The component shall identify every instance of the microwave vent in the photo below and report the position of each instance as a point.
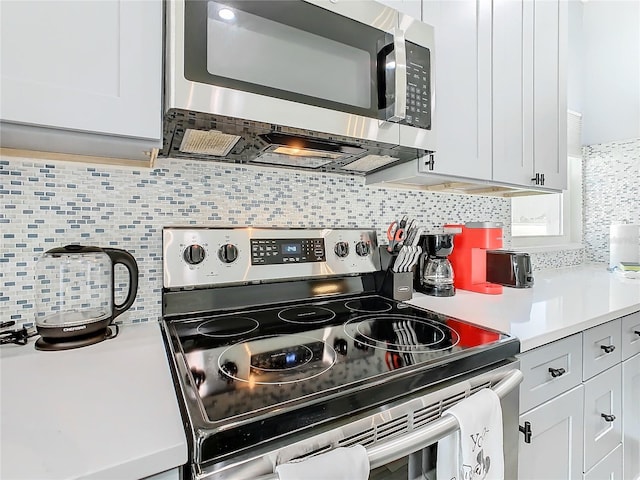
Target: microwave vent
(208, 142)
(369, 163)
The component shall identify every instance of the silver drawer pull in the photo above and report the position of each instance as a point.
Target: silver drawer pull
(608, 348)
(607, 417)
(557, 372)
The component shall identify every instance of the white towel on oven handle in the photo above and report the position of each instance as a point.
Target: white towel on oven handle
(342, 463)
(475, 451)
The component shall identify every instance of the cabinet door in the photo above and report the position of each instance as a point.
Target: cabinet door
(549, 92)
(602, 415)
(610, 467)
(462, 86)
(83, 66)
(631, 419)
(512, 77)
(529, 92)
(556, 448)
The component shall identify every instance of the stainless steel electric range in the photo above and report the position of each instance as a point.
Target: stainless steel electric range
(283, 349)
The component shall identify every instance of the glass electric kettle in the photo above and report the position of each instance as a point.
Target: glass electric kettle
(75, 302)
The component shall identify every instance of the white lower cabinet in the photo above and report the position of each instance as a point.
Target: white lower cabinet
(602, 415)
(610, 467)
(631, 419)
(555, 451)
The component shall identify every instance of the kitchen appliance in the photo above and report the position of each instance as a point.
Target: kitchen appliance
(435, 275)
(282, 349)
(317, 84)
(75, 295)
(469, 258)
(511, 269)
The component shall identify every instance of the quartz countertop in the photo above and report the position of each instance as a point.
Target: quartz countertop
(105, 411)
(561, 302)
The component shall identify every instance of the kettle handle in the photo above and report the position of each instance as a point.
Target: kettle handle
(125, 258)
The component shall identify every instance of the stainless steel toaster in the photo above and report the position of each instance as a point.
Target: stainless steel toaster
(509, 268)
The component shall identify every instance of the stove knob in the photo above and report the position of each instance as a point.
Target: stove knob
(340, 346)
(194, 254)
(228, 253)
(363, 249)
(341, 249)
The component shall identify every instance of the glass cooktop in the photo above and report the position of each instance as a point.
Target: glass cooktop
(253, 361)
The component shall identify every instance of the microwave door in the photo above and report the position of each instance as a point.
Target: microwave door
(303, 64)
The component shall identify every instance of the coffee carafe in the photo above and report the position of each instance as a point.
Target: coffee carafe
(435, 271)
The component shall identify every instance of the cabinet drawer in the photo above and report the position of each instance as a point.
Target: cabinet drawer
(601, 348)
(631, 420)
(562, 359)
(610, 467)
(630, 335)
(602, 415)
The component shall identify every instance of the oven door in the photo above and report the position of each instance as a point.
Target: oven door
(354, 68)
(400, 437)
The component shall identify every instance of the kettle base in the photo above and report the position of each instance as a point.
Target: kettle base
(48, 345)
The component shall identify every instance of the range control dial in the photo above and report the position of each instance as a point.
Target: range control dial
(194, 254)
(228, 253)
(363, 249)
(341, 249)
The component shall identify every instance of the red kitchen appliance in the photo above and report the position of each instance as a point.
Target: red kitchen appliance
(469, 257)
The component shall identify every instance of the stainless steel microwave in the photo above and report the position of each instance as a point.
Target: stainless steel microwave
(355, 72)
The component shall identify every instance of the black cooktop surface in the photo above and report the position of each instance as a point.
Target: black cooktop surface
(253, 361)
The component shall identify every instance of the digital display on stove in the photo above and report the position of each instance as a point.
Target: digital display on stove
(277, 251)
(291, 249)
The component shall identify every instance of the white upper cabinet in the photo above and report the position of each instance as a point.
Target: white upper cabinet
(462, 88)
(82, 67)
(500, 95)
(529, 93)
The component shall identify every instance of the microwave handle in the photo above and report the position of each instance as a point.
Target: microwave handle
(400, 77)
(399, 88)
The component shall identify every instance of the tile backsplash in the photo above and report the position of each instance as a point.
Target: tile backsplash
(49, 204)
(611, 193)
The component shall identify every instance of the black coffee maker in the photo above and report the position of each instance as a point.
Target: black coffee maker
(435, 273)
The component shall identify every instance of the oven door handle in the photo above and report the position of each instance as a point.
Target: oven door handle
(397, 448)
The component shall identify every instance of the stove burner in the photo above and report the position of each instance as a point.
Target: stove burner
(307, 314)
(368, 305)
(401, 333)
(225, 327)
(259, 362)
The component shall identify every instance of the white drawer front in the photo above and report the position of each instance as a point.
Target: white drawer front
(602, 415)
(601, 348)
(631, 420)
(550, 370)
(630, 335)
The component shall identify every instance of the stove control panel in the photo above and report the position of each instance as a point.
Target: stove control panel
(201, 256)
(275, 251)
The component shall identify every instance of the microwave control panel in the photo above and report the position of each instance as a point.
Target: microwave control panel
(418, 113)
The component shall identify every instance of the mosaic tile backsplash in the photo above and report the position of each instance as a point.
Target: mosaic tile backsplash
(49, 204)
(611, 193)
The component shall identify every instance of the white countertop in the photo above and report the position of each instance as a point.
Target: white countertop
(105, 411)
(562, 302)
